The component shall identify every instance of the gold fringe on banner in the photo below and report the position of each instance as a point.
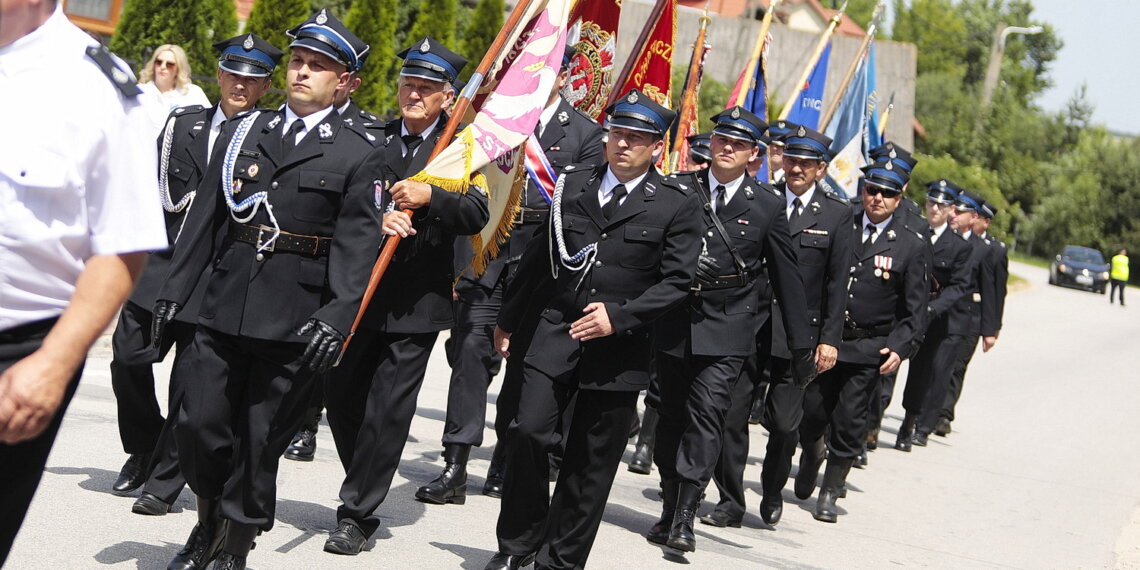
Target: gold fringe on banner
(483, 256)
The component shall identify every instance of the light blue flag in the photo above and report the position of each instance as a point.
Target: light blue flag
(810, 101)
(848, 131)
(873, 103)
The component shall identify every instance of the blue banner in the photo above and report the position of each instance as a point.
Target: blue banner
(809, 105)
(873, 103)
(756, 101)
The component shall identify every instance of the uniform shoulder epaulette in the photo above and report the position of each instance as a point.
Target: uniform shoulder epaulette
(584, 115)
(680, 181)
(188, 111)
(1002, 244)
(120, 78)
(363, 131)
(837, 198)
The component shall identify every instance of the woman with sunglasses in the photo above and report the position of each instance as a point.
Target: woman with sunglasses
(166, 86)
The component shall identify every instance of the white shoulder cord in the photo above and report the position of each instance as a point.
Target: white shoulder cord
(229, 184)
(164, 182)
(581, 261)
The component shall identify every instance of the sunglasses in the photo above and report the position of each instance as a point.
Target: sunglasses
(886, 192)
(166, 64)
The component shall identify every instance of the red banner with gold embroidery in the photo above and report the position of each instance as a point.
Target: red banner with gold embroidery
(592, 71)
(653, 66)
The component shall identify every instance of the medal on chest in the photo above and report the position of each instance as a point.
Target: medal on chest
(883, 264)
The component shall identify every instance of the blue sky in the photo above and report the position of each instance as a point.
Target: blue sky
(1101, 50)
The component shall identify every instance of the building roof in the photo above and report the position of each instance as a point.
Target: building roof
(746, 8)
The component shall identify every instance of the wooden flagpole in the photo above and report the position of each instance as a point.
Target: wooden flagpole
(825, 37)
(886, 115)
(833, 106)
(757, 52)
(461, 106)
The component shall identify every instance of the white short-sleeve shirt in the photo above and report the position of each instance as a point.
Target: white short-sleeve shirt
(78, 174)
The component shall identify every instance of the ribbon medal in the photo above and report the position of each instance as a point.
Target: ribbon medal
(883, 264)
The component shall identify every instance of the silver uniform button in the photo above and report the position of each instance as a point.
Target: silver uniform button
(260, 257)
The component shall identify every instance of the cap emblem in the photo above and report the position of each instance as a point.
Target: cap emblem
(735, 113)
(248, 43)
(425, 47)
(802, 132)
(890, 166)
(942, 183)
(322, 17)
(632, 98)
(892, 154)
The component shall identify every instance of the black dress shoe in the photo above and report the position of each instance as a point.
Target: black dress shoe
(943, 428)
(502, 561)
(861, 461)
(720, 519)
(227, 561)
(642, 460)
(493, 487)
(921, 438)
(451, 485)
(304, 446)
(133, 474)
(771, 507)
(148, 504)
(347, 539)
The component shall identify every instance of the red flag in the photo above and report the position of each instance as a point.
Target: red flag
(653, 66)
(591, 73)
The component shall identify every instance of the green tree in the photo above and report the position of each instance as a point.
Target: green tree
(480, 32)
(437, 18)
(935, 27)
(375, 22)
(270, 20)
(192, 24)
(858, 10)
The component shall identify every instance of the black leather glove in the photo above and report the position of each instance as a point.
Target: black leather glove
(162, 314)
(707, 269)
(803, 366)
(324, 348)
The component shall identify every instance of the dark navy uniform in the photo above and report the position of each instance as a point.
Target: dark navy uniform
(886, 308)
(140, 419)
(570, 137)
(646, 251)
(371, 396)
(950, 276)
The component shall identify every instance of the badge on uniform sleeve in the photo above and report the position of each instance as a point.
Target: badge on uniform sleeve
(325, 130)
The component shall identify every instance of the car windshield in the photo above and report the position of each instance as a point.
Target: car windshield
(1083, 255)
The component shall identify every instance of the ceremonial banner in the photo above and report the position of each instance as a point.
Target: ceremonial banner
(486, 154)
(653, 65)
(809, 104)
(755, 97)
(688, 118)
(849, 132)
(874, 133)
(591, 72)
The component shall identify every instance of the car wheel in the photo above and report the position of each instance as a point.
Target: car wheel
(1052, 279)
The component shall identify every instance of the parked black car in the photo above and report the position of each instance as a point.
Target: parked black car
(1080, 267)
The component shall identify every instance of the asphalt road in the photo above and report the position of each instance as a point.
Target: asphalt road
(1039, 472)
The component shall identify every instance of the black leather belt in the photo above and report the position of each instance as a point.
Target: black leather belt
(315, 246)
(529, 216)
(853, 332)
(27, 331)
(727, 282)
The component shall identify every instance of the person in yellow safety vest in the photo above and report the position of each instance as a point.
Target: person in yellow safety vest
(1119, 275)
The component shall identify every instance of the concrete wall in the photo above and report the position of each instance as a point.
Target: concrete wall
(732, 39)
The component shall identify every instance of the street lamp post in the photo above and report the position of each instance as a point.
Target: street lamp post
(997, 50)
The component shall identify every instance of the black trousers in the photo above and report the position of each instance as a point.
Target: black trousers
(881, 397)
(165, 480)
(371, 399)
(695, 396)
(783, 414)
(474, 362)
(563, 530)
(507, 403)
(929, 378)
(22, 465)
(958, 377)
(728, 475)
(238, 416)
(839, 398)
(1117, 285)
(132, 379)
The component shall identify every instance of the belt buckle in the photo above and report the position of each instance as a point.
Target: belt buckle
(260, 245)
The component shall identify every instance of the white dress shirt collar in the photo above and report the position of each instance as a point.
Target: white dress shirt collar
(609, 181)
(310, 121)
(879, 227)
(804, 200)
(730, 188)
